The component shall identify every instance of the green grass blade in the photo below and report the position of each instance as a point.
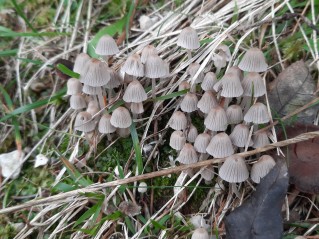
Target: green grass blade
(137, 148)
(11, 52)
(67, 71)
(172, 95)
(32, 34)
(95, 210)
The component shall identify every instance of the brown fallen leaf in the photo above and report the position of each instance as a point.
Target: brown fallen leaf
(293, 88)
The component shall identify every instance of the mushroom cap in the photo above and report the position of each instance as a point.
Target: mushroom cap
(209, 81)
(253, 84)
(133, 66)
(146, 52)
(188, 39)
(239, 135)
(207, 102)
(155, 67)
(226, 50)
(192, 70)
(216, 120)
(234, 170)
(200, 233)
(220, 146)
(208, 173)
(77, 102)
(184, 86)
(121, 118)
(145, 22)
(234, 114)
(192, 133)
(90, 90)
(81, 63)
(137, 108)
(97, 74)
(83, 122)
(189, 103)
(106, 46)
(74, 86)
(178, 121)
(230, 85)
(257, 114)
(261, 168)
(237, 71)
(142, 187)
(134, 92)
(201, 142)
(260, 139)
(177, 140)
(220, 59)
(253, 61)
(187, 155)
(123, 132)
(105, 126)
(93, 108)
(115, 80)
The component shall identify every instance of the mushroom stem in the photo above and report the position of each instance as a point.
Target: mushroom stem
(153, 88)
(106, 59)
(101, 100)
(189, 54)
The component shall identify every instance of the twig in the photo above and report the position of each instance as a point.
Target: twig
(97, 187)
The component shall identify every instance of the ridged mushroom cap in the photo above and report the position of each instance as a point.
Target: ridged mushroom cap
(146, 52)
(189, 103)
(257, 114)
(142, 187)
(105, 126)
(81, 63)
(115, 80)
(90, 90)
(234, 170)
(216, 120)
(237, 71)
(106, 46)
(187, 155)
(178, 121)
(234, 114)
(220, 59)
(77, 102)
(93, 108)
(177, 140)
(137, 108)
(97, 74)
(220, 146)
(188, 39)
(239, 135)
(253, 61)
(121, 118)
(184, 86)
(209, 81)
(230, 85)
(207, 102)
(134, 92)
(83, 122)
(201, 142)
(133, 66)
(192, 133)
(200, 233)
(226, 50)
(208, 173)
(260, 139)
(74, 86)
(123, 132)
(192, 70)
(155, 67)
(261, 168)
(253, 84)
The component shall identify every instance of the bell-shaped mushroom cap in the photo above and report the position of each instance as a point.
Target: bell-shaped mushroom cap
(260, 139)
(142, 187)
(209, 81)
(123, 132)
(208, 173)
(220, 146)
(77, 102)
(201, 142)
(239, 136)
(192, 70)
(93, 108)
(234, 114)
(207, 102)
(134, 92)
(178, 121)
(192, 133)
(187, 155)
(105, 126)
(261, 168)
(177, 140)
(90, 90)
(133, 66)
(137, 108)
(253, 61)
(155, 67)
(115, 80)
(121, 118)
(145, 22)
(189, 102)
(231, 85)
(74, 86)
(235, 70)
(257, 114)
(188, 39)
(220, 59)
(83, 122)
(225, 49)
(81, 63)
(147, 51)
(198, 221)
(97, 74)
(253, 84)
(106, 46)
(184, 86)
(234, 170)
(200, 233)
(216, 120)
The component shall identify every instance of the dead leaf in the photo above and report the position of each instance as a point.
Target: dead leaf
(260, 216)
(293, 88)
